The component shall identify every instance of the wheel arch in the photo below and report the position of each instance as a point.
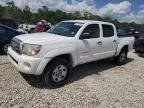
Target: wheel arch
(120, 48)
(67, 57)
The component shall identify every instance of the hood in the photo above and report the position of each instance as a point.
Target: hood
(41, 38)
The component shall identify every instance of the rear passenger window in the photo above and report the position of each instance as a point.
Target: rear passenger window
(93, 29)
(108, 30)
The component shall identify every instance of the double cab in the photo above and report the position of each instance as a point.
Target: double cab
(67, 44)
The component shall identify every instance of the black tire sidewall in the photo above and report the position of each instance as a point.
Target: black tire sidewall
(47, 76)
(119, 62)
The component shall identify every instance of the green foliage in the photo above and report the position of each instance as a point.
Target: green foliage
(26, 16)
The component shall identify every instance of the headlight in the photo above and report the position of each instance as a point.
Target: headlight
(30, 49)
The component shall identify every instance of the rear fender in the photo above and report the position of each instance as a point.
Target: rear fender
(121, 45)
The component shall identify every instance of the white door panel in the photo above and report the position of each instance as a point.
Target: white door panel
(109, 46)
(90, 47)
(109, 41)
(90, 50)
(84, 51)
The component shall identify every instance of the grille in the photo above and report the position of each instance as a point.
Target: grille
(16, 45)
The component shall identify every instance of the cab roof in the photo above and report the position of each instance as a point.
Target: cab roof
(87, 21)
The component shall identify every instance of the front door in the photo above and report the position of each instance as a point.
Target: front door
(90, 44)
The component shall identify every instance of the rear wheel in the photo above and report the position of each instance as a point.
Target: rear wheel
(121, 58)
(57, 72)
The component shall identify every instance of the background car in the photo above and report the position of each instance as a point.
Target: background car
(42, 26)
(139, 45)
(9, 22)
(27, 28)
(129, 32)
(6, 34)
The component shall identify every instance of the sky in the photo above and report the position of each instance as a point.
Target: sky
(123, 10)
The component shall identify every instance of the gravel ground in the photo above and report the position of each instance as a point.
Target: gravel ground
(99, 84)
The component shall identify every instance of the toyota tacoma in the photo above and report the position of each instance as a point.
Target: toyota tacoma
(69, 43)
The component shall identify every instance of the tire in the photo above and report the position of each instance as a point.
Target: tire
(121, 59)
(56, 73)
(5, 48)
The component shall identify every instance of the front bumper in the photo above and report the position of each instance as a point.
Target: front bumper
(26, 64)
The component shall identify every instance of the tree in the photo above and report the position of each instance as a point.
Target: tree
(1, 11)
(26, 16)
(12, 7)
(77, 15)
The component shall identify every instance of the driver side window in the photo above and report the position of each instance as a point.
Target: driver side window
(93, 30)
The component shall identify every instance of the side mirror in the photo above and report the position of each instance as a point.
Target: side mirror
(85, 36)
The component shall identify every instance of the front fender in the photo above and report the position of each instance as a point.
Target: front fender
(62, 51)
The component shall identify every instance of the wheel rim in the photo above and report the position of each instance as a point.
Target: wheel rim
(122, 57)
(5, 48)
(59, 73)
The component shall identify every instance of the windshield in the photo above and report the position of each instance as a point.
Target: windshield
(68, 29)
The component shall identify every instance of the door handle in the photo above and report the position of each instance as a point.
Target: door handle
(99, 42)
(114, 41)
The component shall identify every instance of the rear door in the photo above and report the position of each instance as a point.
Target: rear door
(109, 41)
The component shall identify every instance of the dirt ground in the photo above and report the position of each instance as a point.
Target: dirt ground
(94, 85)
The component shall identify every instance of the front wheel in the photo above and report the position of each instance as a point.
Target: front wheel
(57, 72)
(121, 58)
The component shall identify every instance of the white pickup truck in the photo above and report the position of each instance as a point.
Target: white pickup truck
(66, 45)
